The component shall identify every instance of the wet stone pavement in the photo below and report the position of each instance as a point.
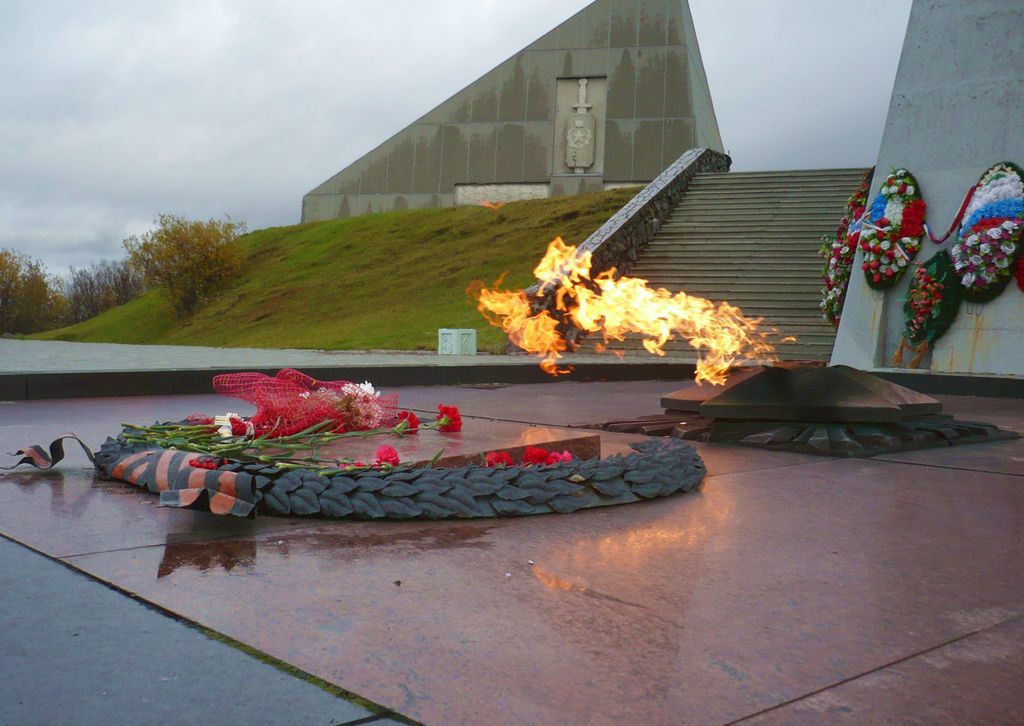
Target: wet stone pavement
(788, 589)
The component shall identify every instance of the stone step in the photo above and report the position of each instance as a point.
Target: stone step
(753, 239)
(734, 264)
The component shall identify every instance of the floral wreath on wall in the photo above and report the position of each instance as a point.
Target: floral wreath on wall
(988, 241)
(892, 232)
(838, 251)
(932, 304)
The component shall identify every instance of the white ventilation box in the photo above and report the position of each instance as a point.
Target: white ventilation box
(456, 341)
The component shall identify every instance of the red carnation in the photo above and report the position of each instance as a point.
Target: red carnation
(238, 427)
(449, 419)
(888, 273)
(535, 455)
(412, 419)
(387, 455)
(874, 264)
(557, 458)
(498, 458)
(876, 278)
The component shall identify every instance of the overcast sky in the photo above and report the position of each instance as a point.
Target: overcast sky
(114, 112)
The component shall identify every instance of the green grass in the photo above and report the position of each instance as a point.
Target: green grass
(385, 281)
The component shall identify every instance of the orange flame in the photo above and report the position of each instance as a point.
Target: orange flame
(719, 332)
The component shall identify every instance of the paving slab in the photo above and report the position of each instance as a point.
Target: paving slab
(971, 680)
(782, 577)
(110, 659)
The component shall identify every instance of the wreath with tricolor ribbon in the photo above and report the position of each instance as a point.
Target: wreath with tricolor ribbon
(987, 244)
(891, 234)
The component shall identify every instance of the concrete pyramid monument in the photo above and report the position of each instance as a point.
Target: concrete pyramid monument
(611, 96)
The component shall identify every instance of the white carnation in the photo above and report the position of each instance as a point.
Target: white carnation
(367, 388)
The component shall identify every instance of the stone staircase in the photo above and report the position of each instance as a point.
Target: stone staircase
(752, 238)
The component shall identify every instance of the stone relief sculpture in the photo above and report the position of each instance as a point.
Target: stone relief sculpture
(580, 135)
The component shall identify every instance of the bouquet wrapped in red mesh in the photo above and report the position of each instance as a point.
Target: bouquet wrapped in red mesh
(291, 402)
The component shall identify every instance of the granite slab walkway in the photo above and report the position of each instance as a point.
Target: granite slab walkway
(789, 589)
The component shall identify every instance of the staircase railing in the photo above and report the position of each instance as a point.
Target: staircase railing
(618, 242)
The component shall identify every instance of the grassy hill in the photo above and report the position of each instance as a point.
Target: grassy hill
(385, 281)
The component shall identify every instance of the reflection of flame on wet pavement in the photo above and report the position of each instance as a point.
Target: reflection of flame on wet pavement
(689, 529)
(616, 307)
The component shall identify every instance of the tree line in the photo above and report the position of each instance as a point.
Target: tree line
(190, 261)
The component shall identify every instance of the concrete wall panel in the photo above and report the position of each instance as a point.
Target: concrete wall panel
(400, 166)
(485, 102)
(678, 137)
(508, 161)
(572, 32)
(575, 184)
(677, 85)
(375, 172)
(512, 102)
(652, 21)
(675, 33)
(598, 23)
(537, 141)
(426, 173)
(580, 63)
(540, 99)
(623, 23)
(548, 41)
(647, 149)
(622, 83)
(650, 83)
(483, 140)
(618, 150)
(454, 157)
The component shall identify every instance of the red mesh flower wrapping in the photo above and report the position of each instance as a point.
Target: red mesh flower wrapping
(292, 402)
